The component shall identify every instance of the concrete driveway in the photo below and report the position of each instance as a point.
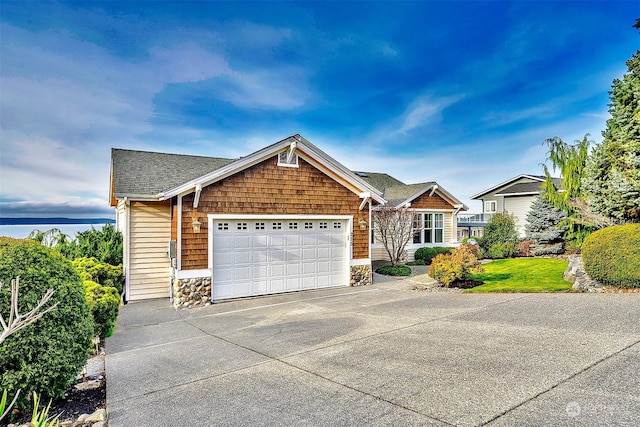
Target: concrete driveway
(379, 355)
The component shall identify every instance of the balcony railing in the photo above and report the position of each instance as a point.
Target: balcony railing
(474, 218)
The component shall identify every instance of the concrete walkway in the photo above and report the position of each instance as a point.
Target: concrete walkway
(378, 355)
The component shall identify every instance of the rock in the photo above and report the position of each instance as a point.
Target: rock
(89, 385)
(99, 415)
(82, 418)
(575, 273)
(99, 424)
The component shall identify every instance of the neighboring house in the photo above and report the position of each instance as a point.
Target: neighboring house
(435, 219)
(285, 218)
(513, 196)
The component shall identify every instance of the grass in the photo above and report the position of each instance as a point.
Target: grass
(523, 275)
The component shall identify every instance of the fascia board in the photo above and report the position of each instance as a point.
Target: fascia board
(528, 193)
(439, 190)
(509, 181)
(138, 197)
(228, 170)
(304, 146)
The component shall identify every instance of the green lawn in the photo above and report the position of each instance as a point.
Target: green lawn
(523, 275)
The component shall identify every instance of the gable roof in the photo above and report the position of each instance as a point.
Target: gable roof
(160, 176)
(379, 180)
(519, 188)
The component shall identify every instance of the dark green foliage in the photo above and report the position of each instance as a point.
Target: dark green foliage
(428, 253)
(394, 270)
(612, 175)
(104, 302)
(44, 357)
(502, 250)
(100, 272)
(456, 266)
(546, 227)
(105, 245)
(415, 262)
(612, 256)
(501, 229)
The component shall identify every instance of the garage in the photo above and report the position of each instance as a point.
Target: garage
(270, 255)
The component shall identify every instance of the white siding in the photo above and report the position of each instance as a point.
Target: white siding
(150, 232)
(519, 207)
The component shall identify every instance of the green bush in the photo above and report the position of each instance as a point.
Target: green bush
(428, 253)
(44, 357)
(394, 270)
(104, 302)
(612, 255)
(502, 250)
(105, 245)
(100, 272)
(458, 265)
(501, 229)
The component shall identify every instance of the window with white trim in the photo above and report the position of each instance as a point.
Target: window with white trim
(490, 206)
(242, 226)
(308, 226)
(293, 226)
(285, 160)
(259, 225)
(322, 225)
(276, 226)
(428, 228)
(223, 226)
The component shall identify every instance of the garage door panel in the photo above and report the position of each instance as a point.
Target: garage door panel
(271, 256)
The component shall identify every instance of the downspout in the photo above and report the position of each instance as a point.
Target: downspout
(127, 244)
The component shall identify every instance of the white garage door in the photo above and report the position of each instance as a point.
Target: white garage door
(268, 256)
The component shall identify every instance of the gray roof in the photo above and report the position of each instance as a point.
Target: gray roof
(379, 181)
(400, 193)
(146, 173)
(527, 187)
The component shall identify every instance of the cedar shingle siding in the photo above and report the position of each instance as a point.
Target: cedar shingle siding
(269, 189)
(433, 202)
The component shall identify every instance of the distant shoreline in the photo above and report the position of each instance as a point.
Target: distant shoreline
(55, 221)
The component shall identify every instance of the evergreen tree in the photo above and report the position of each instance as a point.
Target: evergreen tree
(546, 226)
(612, 175)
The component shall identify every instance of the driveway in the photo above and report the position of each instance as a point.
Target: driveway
(378, 355)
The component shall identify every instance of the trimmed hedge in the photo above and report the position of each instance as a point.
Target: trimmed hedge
(612, 256)
(426, 254)
(46, 356)
(104, 302)
(394, 270)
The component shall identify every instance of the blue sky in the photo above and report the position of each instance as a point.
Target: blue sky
(462, 93)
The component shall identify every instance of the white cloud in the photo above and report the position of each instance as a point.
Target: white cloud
(425, 110)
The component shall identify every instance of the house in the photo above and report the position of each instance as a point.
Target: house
(285, 218)
(435, 212)
(513, 196)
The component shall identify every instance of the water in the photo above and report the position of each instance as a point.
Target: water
(21, 231)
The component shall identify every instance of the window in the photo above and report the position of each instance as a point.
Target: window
(428, 228)
(490, 206)
(242, 226)
(285, 160)
(259, 225)
(223, 226)
(322, 225)
(293, 226)
(276, 226)
(337, 226)
(308, 226)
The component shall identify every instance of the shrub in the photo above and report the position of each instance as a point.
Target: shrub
(502, 250)
(415, 262)
(105, 245)
(458, 265)
(394, 270)
(501, 229)
(428, 253)
(44, 357)
(100, 272)
(104, 302)
(612, 255)
(524, 248)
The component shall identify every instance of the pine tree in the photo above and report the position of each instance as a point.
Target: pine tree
(545, 226)
(612, 174)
